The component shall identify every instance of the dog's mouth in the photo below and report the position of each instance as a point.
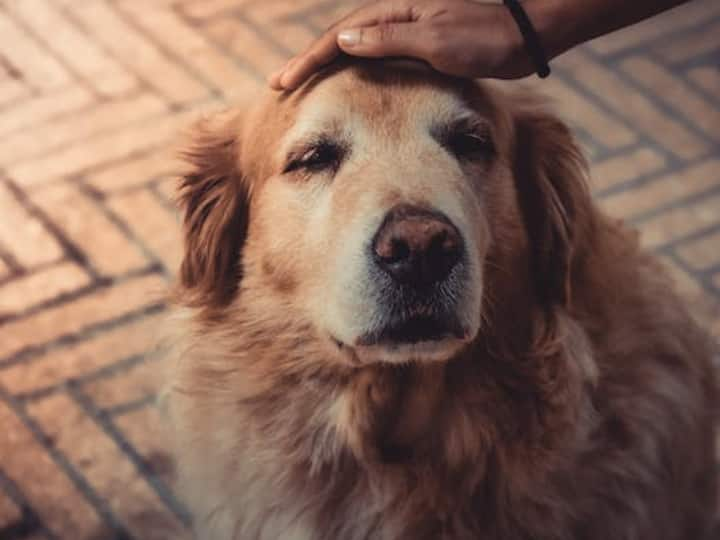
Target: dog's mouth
(414, 330)
(405, 325)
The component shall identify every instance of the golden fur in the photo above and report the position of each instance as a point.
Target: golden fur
(582, 407)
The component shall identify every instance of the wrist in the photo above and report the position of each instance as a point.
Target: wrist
(550, 20)
(514, 43)
(529, 28)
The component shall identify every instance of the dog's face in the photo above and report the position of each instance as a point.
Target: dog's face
(370, 204)
(374, 210)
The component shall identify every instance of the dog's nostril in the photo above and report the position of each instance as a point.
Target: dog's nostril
(417, 247)
(400, 250)
(441, 244)
(392, 250)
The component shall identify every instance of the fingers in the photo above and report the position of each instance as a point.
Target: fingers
(322, 52)
(385, 39)
(459, 37)
(326, 48)
(274, 79)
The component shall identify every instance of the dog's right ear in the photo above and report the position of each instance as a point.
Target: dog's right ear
(214, 202)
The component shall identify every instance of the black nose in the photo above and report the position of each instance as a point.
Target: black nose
(417, 247)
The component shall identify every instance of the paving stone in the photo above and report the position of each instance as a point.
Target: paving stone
(106, 304)
(138, 170)
(150, 63)
(140, 382)
(662, 192)
(680, 222)
(626, 167)
(291, 27)
(81, 53)
(701, 253)
(197, 51)
(12, 90)
(34, 110)
(25, 237)
(605, 84)
(238, 35)
(114, 477)
(168, 189)
(581, 112)
(39, 68)
(108, 249)
(9, 511)
(676, 93)
(655, 30)
(120, 144)
(153, 223)
(147, 429)
(76, 130)
(704, 308)
(85, 358)
(53, 496)
(708, 78)
(702, 41)
(202, 9)
(41, 286)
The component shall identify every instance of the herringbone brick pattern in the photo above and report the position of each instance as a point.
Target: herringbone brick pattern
(92, 96)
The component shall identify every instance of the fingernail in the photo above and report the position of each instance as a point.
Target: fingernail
(285, 81)
(349, 38)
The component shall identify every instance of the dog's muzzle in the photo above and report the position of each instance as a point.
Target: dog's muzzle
(417, 255)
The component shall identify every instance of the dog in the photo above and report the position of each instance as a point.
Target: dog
(400, 316)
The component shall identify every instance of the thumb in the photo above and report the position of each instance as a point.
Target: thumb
(385, 39)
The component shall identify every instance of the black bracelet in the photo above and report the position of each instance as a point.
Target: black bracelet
(532, 41)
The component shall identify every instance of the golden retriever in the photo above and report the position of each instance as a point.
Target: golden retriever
(400, 316)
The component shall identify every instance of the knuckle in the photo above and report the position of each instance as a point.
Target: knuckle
(437, 41)
(385, 32)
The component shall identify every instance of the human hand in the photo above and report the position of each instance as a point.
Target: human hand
(458, 37)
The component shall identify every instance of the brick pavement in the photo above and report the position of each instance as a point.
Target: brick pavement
(92, 96)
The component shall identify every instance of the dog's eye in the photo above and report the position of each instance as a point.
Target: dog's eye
(322, 156)
(470, 145)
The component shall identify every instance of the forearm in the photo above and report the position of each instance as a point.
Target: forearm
(563, 24)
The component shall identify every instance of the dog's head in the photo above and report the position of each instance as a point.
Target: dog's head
(382, 204)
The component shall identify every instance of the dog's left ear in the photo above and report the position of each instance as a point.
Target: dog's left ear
(551, 180)
(214, 201)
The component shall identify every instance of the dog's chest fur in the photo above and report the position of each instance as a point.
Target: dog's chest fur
(379, 452)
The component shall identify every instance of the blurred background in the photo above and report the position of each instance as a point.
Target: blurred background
(93, 95)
